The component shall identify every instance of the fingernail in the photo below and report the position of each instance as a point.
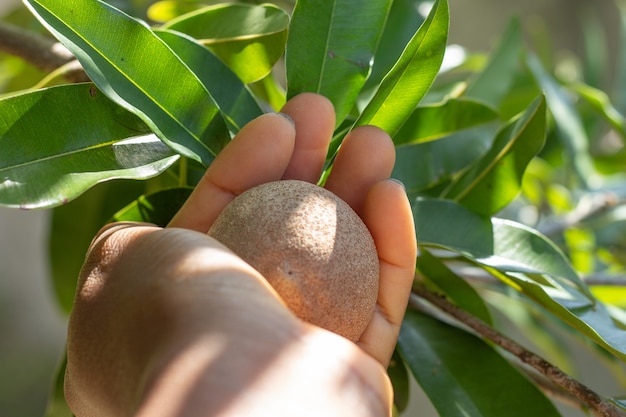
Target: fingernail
(397, 181)
(286, 116)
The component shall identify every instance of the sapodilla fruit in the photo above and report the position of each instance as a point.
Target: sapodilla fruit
(313, 249)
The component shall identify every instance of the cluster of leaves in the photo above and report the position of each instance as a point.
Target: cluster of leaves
(483, 146)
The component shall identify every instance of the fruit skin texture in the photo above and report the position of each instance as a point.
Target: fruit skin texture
(313, 249)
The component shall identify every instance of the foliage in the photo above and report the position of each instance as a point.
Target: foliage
(513, 170)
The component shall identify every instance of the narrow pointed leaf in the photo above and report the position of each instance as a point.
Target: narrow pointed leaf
(464, 376)
(233, 98)
(135, 68)
(568, 122)
(435, 121)
(411, 77)
(330, 48)
(600, 102)
(493, 83)
(247, 38)
(59, 142)
(495, 180)
(524, 259)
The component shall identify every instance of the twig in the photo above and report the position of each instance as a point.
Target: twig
(589, 207)
(599, 405)
(552, 390)
(42, 52)
(479, 275)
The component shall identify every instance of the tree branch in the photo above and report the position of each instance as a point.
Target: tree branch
(598, 404)
(42, 52)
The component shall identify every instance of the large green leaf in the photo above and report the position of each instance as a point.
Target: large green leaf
(501, 244)
(495, 180)
(589, 316)
(330, 48)
(233, 98)
(493, 83)
(410, 78)
(135, 68)
(522, 258)
(464, 376)
(248, 38)
(435, 121)
(57, 143)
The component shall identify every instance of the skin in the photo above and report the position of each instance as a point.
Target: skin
(168, 322)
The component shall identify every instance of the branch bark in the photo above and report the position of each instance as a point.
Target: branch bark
(44, 53)
(598, 404)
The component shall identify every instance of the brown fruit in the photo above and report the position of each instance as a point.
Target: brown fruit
(311, 247)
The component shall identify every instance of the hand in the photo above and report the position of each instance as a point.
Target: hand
(168, 322)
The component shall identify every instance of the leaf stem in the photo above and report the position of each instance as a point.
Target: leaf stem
(598, 404)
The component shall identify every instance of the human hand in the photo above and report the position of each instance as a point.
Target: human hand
(273, 151)
(157, 302)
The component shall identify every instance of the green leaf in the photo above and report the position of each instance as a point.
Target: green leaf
(569, 125)
(410, 78)
(233, 98)
(136, 69)
(495, 180)
(404, 17)
(587, 315)
(59, 142)
(425, 165)
(57, 406)
(500, 244)
(400, 381)
(620, 70)
(600, 101)
(493, 83)
(453, 286)
(158, 208)
(463, 376)
(524, 259)
(74, 225)
(248, 38)
(330, 48)
(435, 121)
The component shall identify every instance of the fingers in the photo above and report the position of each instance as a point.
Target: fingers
(366, 156)
(314, 117)
(387, 214)
(259, 153)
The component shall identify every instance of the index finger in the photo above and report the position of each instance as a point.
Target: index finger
(259, 153)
